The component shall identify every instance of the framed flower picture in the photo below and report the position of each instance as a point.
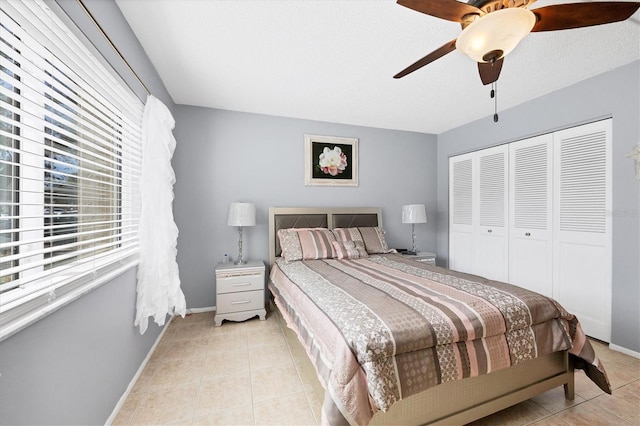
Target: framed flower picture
(330, 161)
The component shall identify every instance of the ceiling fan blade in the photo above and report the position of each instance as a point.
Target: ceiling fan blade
(489, 72)
(438, 53)
(578, 15)
(451, 10)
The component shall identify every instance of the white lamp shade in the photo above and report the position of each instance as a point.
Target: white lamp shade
(501, 30)
(241, 214)
(414, 213)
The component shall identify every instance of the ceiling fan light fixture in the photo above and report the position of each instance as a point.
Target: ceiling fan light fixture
(494, 35)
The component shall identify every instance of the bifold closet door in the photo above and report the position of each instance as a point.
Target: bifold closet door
(478, 241)
(461, 213)
(582, 225)
(530, 219)
(492, 243)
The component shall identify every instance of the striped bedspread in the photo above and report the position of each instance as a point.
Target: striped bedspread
(382, 328)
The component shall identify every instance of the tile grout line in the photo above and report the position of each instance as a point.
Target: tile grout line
(253, 403)
(290, 358)
(195, 408)
(253, 407)
(306, 395)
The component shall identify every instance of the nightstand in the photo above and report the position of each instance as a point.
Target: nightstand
(239, 292)
(423, 256)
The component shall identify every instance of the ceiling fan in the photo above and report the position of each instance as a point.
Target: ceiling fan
(492, 28)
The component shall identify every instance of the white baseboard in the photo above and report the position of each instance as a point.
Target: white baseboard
(624, 350)
(132, 383)
(201, 310)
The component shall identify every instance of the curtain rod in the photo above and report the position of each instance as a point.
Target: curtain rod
(99, 27)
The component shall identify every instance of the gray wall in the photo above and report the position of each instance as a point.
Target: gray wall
(615, 94)
(73, 366)
(222, 157)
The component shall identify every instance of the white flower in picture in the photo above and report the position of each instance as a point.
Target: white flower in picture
(332, 161)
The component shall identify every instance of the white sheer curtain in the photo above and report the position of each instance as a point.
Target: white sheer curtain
(158, 289)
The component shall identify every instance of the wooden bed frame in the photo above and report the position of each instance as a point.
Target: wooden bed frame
(456, 402)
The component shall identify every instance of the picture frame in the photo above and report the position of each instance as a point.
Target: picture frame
(330, 161)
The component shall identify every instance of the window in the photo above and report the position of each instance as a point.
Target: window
(70, 160)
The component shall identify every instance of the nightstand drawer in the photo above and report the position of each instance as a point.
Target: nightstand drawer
(235, 283)
(237, 302)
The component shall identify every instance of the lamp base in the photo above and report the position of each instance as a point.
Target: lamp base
(414, 249)
(239, 260)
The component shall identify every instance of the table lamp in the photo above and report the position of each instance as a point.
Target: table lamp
(414, 213)
(240, 215)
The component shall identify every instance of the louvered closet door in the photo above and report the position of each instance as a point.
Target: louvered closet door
(492, 245)
(530, 224)
(461, 207)
(582, 225)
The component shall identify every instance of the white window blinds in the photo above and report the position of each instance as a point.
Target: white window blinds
(70, 156)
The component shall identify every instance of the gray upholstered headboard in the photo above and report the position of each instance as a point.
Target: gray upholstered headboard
(317, 217)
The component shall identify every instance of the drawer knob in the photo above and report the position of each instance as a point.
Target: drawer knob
(490, 230)
(240, 302)
(241, 284)
(528, 234)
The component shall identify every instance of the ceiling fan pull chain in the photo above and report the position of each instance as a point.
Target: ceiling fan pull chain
(494, 96)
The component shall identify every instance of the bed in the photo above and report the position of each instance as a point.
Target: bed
(395, 341)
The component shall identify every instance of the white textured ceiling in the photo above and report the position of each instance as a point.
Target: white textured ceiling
(334, 60)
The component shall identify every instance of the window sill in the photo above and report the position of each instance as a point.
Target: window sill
(13, 320)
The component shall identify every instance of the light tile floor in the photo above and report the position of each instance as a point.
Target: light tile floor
(255, 372)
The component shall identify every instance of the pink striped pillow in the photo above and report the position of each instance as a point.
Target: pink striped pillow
(306, 243)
